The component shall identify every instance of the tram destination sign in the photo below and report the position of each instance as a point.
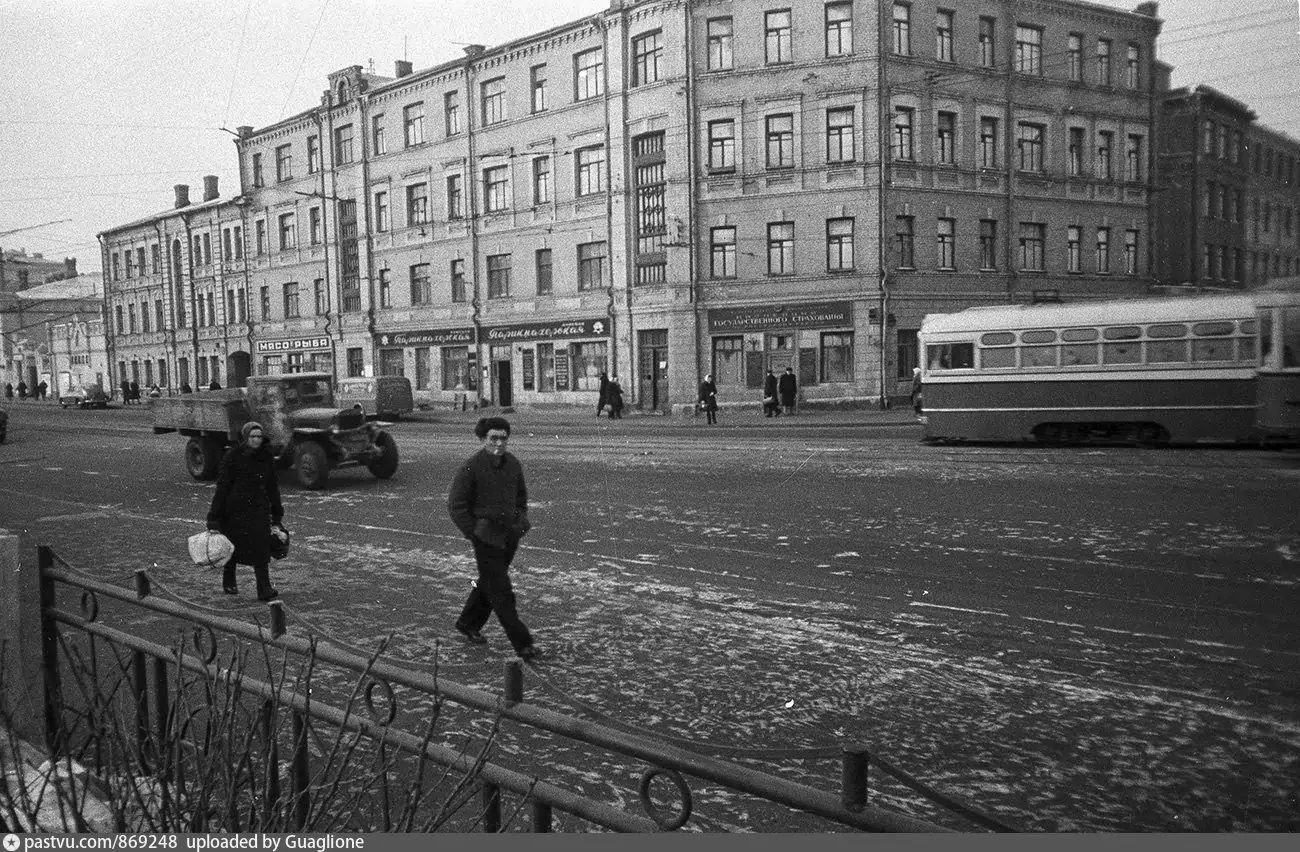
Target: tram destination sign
(798, 315)
(547, 330)
(292, 344)
(432, 337)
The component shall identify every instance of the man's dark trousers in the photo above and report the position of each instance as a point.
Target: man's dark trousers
(494, 594)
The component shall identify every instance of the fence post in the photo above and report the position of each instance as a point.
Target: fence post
(301, 772)
(140, 692)
(541, 818)
(491, 808)
(21, 642)
(854, 776)
(271, 756)
(513, 689)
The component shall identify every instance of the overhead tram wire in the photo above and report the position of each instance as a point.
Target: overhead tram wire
(303, 61)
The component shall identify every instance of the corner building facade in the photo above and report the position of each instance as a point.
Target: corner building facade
(670, 188)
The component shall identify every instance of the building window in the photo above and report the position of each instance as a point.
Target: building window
(265, 301)
(356, 363)
(259, 228)
(780, 248)
(144, 317)
(498, 274)
(722, 252)
(450, 113)
(284, 163)
(1133, 68)
(257, 171)
(313, 154)
(377, 141)
(1029, 49)
(343, 144)
(588, 74)
(543, 266)
(117, 315)
(493, 94)
(155, 255)
(130, 264)
(413, 124)
(943, 35)
(381, 211)
(1207, 200)
(1103, 250)
(288, 232)
(1131, 254)
(988, 142)
(720, 44)
(839, 245)
(1033, 238)
(946, 243)
(1103, 62)
(1234, 152)
(989, 244)
(1074, 57)
(722, 145)
(840, 145)
(314, 225)
(651, 208)
(130, 317)
(946, 137)
(591, 170)
(780, 141)
(1029, 146)
(839, 29)
(1207, 141)
(541, 180)
(494, 189)
(903, 122)
(776, 27)
(988, 41)
(1221, 147)
(537, 86)
(322, 297)
(647, 54)
(1133, 159)
(385, 288)
(458, 290)
(455, 198)
(291, 306)
(905, 240)
(902, 29)
(591, 266)
(1075, 152)
(158, 314)
(1073, 249)
(837, 356)
(417, 204)
(1105, 143)
(421, 286)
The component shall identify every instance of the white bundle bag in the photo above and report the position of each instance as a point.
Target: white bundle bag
(210, 549)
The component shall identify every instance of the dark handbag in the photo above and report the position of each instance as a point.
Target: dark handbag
(279, 543)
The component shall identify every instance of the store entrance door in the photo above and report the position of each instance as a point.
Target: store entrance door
(502, 382)
(652, 372)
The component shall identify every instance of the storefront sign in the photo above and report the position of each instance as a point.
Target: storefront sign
(292, 344)
(434, 337)
(547, 330)
(765, 317)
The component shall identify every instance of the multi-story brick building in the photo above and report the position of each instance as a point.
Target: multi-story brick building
(670, 188)
(1229, 201)
(24, 339)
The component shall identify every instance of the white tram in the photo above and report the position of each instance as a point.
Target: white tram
(1151, 370)
(1277, 385)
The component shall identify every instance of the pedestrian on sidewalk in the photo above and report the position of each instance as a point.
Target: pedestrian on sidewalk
(916, 389)
(603, 399)
(771, 407)
(135, 391)
(245, 508)
(789, 390)
(41, 388)
(488, 503)
(709, 398)
(22, 389)
(615, 399)
(9, 390)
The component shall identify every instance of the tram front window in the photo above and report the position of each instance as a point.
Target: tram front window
(1290, 337)
(950, 356)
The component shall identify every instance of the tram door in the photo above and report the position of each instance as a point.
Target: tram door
(652, 375)
(502, 384)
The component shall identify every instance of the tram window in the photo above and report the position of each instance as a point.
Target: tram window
(1003, 356)
(1265, 339)
(1122, 332)
(1212, 329)
(1121, 353)
(1037, 337)
(997, 338)
(950, 356)
(1212, 350)
(1038, 356)
(1079, 335)
(1079, 353)
(1248, 326)
(1246, 350)
(1166, 351)
(1172, 329)
(1290, 337)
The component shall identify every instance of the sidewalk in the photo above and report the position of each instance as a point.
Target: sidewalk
(747, 415)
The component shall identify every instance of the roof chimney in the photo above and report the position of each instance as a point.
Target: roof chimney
(182, 195)
(69, 267)
(210, 187)
(474, 51)
(403, 67)
(245, 130)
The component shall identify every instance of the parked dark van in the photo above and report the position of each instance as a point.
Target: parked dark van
(383, 397)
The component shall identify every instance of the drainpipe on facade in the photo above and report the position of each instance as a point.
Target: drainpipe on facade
(471, 211)
(169, 331)
(326, 137)
(1193, 255)
(194, 314)
(692, 185)
(363, 113)
(602, 22)
(1008, 170)
(883, 113)
(110, 333)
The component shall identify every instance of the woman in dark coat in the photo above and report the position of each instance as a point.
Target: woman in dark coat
(709, 398)
(603, 399)
(788, 387)
(615, 396)
(771, 406)
(246, 506)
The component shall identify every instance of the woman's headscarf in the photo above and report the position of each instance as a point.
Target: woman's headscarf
(247, 429)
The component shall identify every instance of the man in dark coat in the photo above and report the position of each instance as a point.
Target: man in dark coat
(22, 389)
(216, 385)
(615, 399)
(488, 503)
(709, 398)
(788, 387)
(603, 399)
(185, 388)
(770, 405)
(135, 391)
(245, 507)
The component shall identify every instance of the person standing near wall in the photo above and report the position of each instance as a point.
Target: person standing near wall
(789, 390)
(709, 398)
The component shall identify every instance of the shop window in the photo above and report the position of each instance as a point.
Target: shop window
(837, 357)
(586, 362)
(456, 374)
(728, 361)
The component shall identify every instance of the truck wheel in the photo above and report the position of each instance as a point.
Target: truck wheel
(201, 457)
(312, 465)
(386, 465)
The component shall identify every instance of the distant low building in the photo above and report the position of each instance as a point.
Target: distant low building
(24, 343)
(60, 339)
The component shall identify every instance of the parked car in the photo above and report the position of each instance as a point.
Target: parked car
(380, 397)
(4, 424)
(91, 396)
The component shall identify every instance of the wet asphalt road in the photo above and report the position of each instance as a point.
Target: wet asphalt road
(1097, 639)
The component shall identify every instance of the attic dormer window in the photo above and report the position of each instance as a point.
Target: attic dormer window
(343, 91)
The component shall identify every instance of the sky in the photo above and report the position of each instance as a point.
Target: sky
(109, 103)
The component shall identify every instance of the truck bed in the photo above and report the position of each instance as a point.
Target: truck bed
(222, 412)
